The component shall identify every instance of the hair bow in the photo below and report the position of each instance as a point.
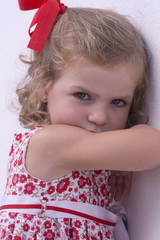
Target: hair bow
(43, 20)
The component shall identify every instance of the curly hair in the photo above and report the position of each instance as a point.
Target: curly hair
(104, 38)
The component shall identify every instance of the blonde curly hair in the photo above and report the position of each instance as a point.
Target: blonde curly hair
(103, 37)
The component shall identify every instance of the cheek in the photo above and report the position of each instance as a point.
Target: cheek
(124, 119)
(74, 115)
(119, 122)
(67, 115)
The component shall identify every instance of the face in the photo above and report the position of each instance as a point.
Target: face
(91, 97)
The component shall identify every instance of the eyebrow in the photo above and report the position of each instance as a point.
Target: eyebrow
(83, 89)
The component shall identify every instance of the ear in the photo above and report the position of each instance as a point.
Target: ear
(42, 92)
(43, 96)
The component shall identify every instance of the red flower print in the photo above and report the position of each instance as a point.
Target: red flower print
(101, 179)
(15, 179)
(14, 193)
(15, 163)
(102, 203)
(28, 217)
(75, 174)
(3, 234)
(109, 181)
(66, 231)
(85, 236)
(34, 237)
(11, 227)
(42, 184)
(47, 224)
(37, 229)
(23, 178)
(39, 222)
(29, 188)
(93, 227)
(98, 172)
(49, 235)
(51, 189)
(104, 190)
(73, 200)
(11, 150)
(49, 183)
(88, 181)
(13, 215)
(100, 235)
(70, 232)
(76, 189)
(108, 234)
(26, 227)
(17, 238)
(6, 220)
(18, 136)
(9, 237)
(20, 188)
(93, 180)
(94, 238)
(78, 224)
(95, 190)
(70, 189)
(81, 182)
(66, 221)
(32, 228)
(20, 161)
(83, 198)
(58, 234)
(60, 225)
(62, 185)
(45, 199)
(75, 233)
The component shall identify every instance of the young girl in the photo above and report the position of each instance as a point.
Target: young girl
(86, 83)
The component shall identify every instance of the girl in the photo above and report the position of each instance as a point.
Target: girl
(86, 83)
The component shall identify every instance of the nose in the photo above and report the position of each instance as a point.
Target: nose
(98, 116)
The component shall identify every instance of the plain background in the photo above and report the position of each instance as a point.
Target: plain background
(143, 205)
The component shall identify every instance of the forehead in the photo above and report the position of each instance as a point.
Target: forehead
(108, 80)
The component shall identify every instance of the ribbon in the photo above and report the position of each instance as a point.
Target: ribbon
(43, 20)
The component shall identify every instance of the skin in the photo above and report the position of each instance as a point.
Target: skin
(92, 98)
(96, 111)
(86, 105)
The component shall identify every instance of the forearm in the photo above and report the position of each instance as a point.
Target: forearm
(133, 149)
(60, 149)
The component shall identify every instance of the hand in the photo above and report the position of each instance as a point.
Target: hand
(120, 184)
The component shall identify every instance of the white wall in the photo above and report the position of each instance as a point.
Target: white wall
(143, 204)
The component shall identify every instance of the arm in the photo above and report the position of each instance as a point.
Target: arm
(120, 184)
(60, 149)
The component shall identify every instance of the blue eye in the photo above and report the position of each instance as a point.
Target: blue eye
(118, 102)
(82, 96)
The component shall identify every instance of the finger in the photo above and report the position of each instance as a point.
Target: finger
(127, 184)
(119, 188)
(113, 185)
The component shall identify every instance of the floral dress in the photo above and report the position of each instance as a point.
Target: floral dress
(79, 186)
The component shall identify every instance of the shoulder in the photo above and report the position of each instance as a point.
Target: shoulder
(48, 150)
(55, 136)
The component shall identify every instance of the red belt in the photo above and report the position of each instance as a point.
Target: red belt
(56, 209)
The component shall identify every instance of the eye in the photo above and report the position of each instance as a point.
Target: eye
(82, 96)
(118, 102)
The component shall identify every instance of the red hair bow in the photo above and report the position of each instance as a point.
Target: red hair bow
(43, 19)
